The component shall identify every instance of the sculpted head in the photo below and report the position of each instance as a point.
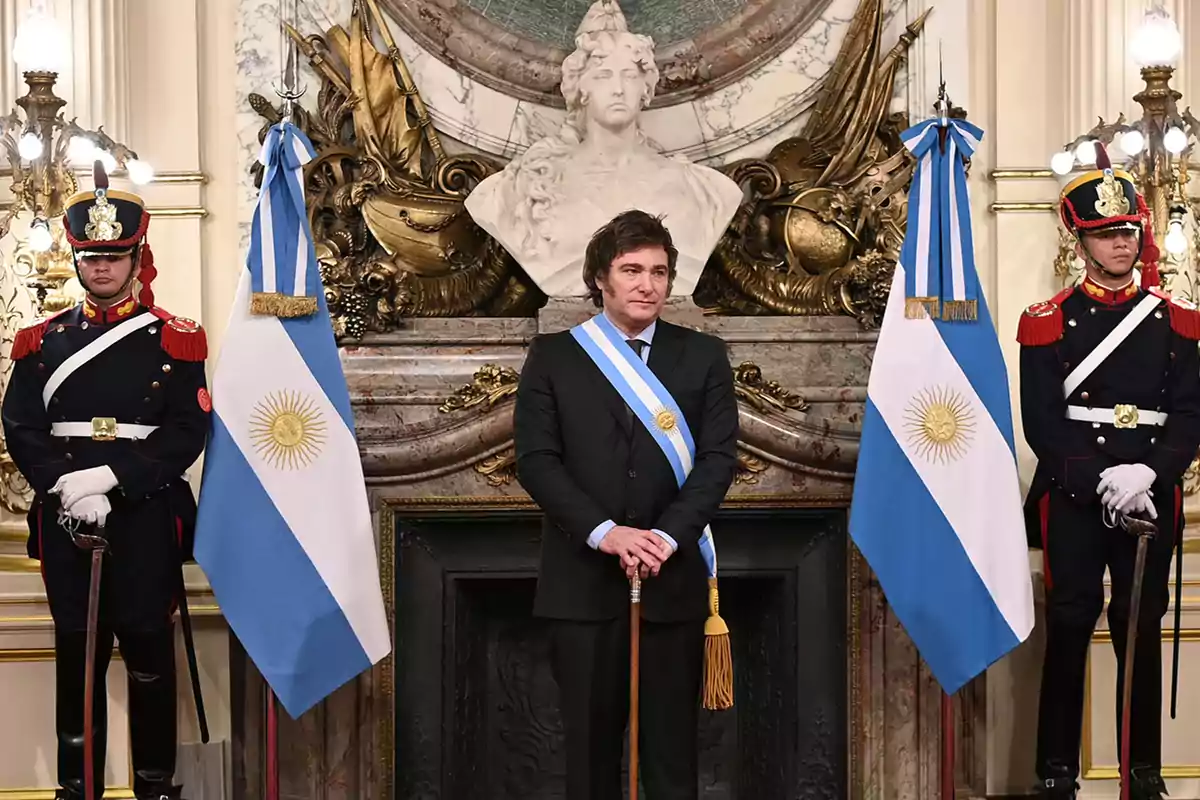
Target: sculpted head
(611, 75)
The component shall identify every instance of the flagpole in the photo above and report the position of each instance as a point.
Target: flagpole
(272, 747)
(947, 747)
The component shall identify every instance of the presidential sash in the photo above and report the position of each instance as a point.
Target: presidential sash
(653, 405)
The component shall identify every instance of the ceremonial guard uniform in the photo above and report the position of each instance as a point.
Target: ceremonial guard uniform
(1110, 400)
(106, 409)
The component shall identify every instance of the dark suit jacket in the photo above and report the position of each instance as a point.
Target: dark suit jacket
(584, 460)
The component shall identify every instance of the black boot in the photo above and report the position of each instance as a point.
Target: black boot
(1146, 784)
(150, 663)
(69, 654)
(1057, 783)
(164, 791)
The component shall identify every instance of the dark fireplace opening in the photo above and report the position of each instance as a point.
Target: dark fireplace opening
(476, 705)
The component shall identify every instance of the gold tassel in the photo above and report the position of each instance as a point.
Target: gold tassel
(960, 310)
(282, 305)
(920, 307)
(718, 657)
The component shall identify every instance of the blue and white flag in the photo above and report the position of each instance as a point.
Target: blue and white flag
(284, 531)
(937, 507)
(938, 247)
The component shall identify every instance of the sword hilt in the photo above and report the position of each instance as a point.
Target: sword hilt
(1140, 527)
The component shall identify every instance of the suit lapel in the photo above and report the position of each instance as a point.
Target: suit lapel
(606, 391)
(665, 351)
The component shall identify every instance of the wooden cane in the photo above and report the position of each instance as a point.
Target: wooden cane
(635, 638)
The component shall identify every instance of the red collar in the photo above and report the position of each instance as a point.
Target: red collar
(1109, 297)
(102, 316)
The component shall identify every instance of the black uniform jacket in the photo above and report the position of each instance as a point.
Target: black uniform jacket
(154, 376)
(585, 459)
(1155, 368)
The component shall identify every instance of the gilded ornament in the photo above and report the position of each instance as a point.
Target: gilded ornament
(1110, 198)
(748, 384)
(748, 468)
(102, 225)
(665, 421)
(490, 384)
(500, 469)
(287, 430)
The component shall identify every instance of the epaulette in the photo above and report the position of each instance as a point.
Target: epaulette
(183, 339)
(1042, 323)
(1185, 318)
(29, 340)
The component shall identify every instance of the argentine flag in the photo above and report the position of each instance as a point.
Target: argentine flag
(937, 508)
(284, 531)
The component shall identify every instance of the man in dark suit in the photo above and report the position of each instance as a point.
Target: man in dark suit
(613, 504)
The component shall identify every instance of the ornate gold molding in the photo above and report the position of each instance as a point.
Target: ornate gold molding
(500, 469)
(764, 395)
(748, 468)
(1000, 208)
(490, 384)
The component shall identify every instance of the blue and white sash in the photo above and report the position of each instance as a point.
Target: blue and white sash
(651, 403)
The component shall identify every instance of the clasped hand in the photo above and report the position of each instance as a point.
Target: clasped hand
(640, 551)
(1125, 488)
(75, 486)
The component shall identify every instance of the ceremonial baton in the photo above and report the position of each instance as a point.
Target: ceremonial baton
(635, 639)
(97, 544)
(1145, 531)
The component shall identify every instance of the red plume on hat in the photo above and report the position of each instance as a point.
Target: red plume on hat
(1150, 252)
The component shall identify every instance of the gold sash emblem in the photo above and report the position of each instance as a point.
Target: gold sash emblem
(1110, 198)
(665, 421)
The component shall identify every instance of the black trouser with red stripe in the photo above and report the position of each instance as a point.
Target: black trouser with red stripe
(138, 591)
(1077, 549)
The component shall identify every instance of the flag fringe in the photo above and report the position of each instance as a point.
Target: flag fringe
(282, 305)
(718, 657)
(921, 307)
(960, 310)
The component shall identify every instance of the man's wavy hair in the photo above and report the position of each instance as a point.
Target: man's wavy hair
(628, 231)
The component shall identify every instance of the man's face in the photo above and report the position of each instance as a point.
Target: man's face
(615, 87)
(636, 287)
(105, 276)
(1115, 250)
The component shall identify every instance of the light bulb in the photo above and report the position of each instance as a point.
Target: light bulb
(140, 172)
(1156, 43)
(40, 239)
(1175, 140)
(40, 45)
(1086, 152)
(106, 158)
(81, 150)
(1062, 162)
(1176, 240)
(30, 146)
(1132, 142)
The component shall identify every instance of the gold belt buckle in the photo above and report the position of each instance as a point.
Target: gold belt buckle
(1125, 416)
(104, 429)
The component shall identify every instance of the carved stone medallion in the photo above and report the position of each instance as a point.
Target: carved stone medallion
(517, 46)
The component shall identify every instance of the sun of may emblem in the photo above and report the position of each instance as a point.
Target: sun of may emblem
(940, 424)
(287, 430)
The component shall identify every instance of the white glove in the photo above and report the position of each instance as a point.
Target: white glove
(1119, 485)
(1143, 504)
(74, 486)
(92, 509)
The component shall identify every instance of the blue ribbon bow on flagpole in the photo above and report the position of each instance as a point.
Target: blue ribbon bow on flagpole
(282, 260)
(938, 252)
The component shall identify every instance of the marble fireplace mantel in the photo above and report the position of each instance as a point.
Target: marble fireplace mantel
(433, 405)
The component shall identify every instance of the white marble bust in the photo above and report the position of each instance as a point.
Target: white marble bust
(546, 204)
